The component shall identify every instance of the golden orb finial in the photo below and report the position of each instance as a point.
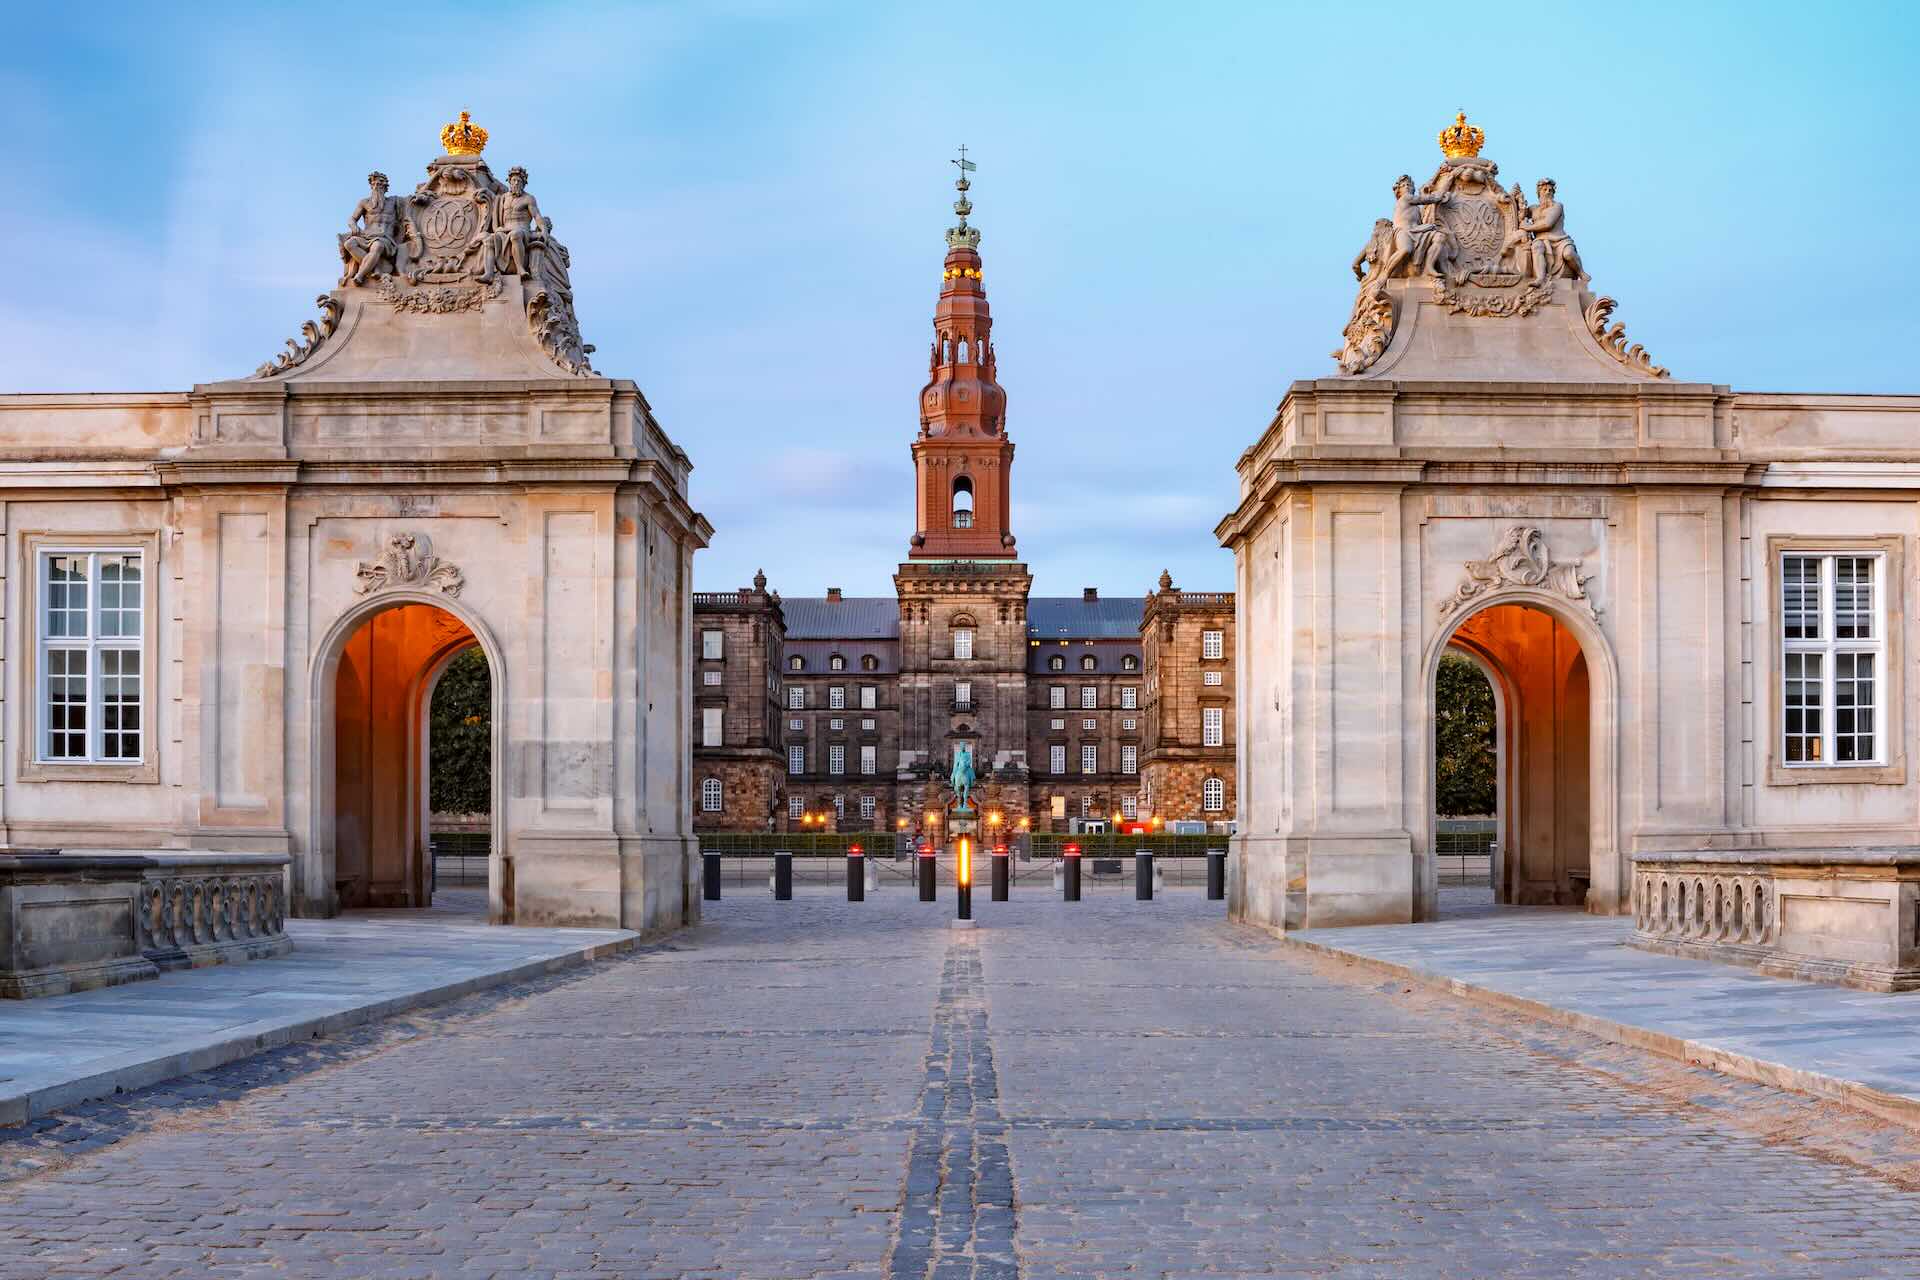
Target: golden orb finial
(465, 138)
(1460, 139)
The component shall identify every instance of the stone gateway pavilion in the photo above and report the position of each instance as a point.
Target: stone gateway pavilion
(228, 607)
(1695, 605)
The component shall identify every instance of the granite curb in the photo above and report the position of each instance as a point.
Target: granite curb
(137, 1071)
(1697, 1053)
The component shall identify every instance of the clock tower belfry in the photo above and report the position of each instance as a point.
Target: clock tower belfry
(962, 458)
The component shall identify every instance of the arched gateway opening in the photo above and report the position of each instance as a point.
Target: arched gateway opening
(373, 771)
(1552, 749)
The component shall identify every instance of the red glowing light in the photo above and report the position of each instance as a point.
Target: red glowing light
(1073, 851)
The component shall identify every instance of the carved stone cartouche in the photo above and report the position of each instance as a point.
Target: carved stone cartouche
(1521, 559)
(408, 561)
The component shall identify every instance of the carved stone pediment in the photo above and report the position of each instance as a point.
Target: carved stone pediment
(408, 561)
(1521, 559)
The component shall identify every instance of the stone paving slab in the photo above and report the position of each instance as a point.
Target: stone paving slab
(343, 972)
(1577, 971)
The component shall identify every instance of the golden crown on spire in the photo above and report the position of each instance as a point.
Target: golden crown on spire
(465, 138)
(1460, 139)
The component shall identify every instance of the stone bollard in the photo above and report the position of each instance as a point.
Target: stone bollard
(710, 876)
(873, 874)
(1216, 874)
(782, 876)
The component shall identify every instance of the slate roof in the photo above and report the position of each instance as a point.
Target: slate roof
(852, 618)
(1074, 618)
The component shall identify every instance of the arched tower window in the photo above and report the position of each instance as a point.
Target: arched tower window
(712, 796)
(962, 502)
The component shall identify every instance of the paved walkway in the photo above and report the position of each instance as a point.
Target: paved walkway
(819, 1089)
(1858, 1046)
(342, 972)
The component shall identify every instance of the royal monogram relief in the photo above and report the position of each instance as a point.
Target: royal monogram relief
(408, 561)
(1521, 559)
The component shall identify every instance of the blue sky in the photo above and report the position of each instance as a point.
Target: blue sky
(754, 195)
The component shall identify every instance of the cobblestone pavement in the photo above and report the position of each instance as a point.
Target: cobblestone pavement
(822, 1089)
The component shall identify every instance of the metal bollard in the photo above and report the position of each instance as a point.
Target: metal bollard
(710, 876)
(1070, 860)
(1216, 874)
(926, 873)
(1000, 873)
(1143, 875)
(856, 874)
(782, 876)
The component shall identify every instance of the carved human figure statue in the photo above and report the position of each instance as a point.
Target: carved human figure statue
(1422, 248)
(1541, 238)
(961, 779)
(374, 231)
(517, 228)
(1379, 248)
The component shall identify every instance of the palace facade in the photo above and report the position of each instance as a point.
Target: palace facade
(1076, 709)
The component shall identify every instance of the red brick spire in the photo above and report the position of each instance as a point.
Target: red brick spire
(962, 458)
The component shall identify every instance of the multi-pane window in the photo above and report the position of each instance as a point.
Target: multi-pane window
(1087, 663)
(1129, 725)
(1057, 758)
(1129, 663)
(868, 763)
(1833, 648)
(710, 645)
(797, 698)
(1056, 723)
(963, 642)
(1213, 726)
(963, 692)
(796, 723)
(1056, 663)
(1089, 723)
(866, 808)
(91, 628)
(712, 720)
(1130, 807)
(712, 796)
(1086, 806)
(837, 758)
(1212, 677)
(837, 697)
(1089, 758)
(796, 760)
(796, 805)
(1129, 759)
(1057, 696)
(836, 663)
(1213, 644)
(836, 723)
(710, 677)
(1213, 796)
(1129, 697)
(1089, 696)
(839, 807)
(867, 725)
(796, 663)
(869, 697)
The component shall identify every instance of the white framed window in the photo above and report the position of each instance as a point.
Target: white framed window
(963, 642)
(796, 723)
(1213, 726)
(796, 805)
(1089, 758)
(796, 663)
(836, 663)
(797, 698)
(1057, 806)
(1089, 697)
(712, 796)
(837, 723)
(1129, 725)
(1129, 697)
(869, 762)
(712, 645)
(1213, 796)
(1212, 677)
(1056, 723)
(710, 678)
(1129, 663)
(712, 725)
(92, 700)
(1089, 724)
(1129, 759)
(837, 697)
(867, 725)
(1213, 644)
(1087, 663)
(1057, 696)
(837, 759)
(869, 697)
(1130, 807)
(1056, 663)
(1057, 758)
(839, 807)
(1833, 669)
(1086, 806)
(796, 760)
(866, 808)
(963, 692)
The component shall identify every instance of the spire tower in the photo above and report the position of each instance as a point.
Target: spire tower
(962, 458)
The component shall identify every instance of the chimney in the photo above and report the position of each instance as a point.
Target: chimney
(1089, 594)
(833, 595)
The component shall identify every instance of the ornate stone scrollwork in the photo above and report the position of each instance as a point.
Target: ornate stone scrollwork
(1614, 340)
(1461, 302)
(438, 299)
(1369, 330)
(298, 353)
(408, 561)
(1521, 559)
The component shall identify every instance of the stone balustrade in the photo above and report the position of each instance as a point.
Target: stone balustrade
(73, 921)
(1847, 916)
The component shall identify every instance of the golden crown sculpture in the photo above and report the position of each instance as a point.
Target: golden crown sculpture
(1457, 141)
(465, 138)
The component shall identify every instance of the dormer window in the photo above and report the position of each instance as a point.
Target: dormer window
(796, 663)
(962, 502)
(1087, 663)
(836, 663)
(1129, 663)
(1056, 663)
